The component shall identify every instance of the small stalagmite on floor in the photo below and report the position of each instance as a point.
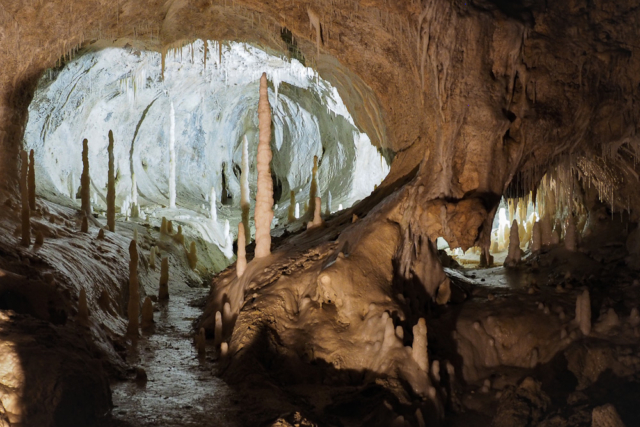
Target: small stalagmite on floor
(134, 291)
(419, 347)
(163, 292)
(217, 339)
(39, 238)
(147, 313)
(32, 181)
(84, 228)
(85, 181)
(291, 213)
(101, 234)
(201, 342)
(192, 255)
(317, 214)
(515, 253)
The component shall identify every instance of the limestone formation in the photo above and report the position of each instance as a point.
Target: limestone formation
(264, 197)
(83, 310)
(32, 181)
(152, 257)
(84, 227)
(163, 292)
(101, 234)
(172, 158)
(134, 291)
(536, 237)
(244, 188)
(583, 312)
(111, 188)
(39, 238)
(313, 189)
(513, 258)
(163, 226)
(85, 180)
(241, 263)
(201, 342)
(218, 338)
(192, 256)
(26, 213)
(213, 209)
(291, 213)
(419, 347)
(570, 234)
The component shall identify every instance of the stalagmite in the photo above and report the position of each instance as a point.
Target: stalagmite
(292, 208)
(328, 210)
(264, 198)
(536, 237)
(101, 234)
(444, 292)
(244, 188)
(26, 213)
(201, 342)
(39, 238)
(317, 216)
(570, 234)
(515, 254)
(134, 291)
(163, 226)
(546, 231)
(135, 209)
(32, 181)
(179, 237)
(583, 312)
(217, 336)
(163, 291)
(111, 189)
(172, 158)
(241, 263)
(419, 348)
(83, 310)
(84, 228)
(135, 235)
(169, 227)
(224, 350)
(147, 313)
(313, 189)
(297, 211)
(85, 180)
(192, 256)
(213, 209)
(152, 257)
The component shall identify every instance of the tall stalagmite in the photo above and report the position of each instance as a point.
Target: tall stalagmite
(264, 198)
(134, 290)
(147, 313)
(244, 189)
(514, 254)
(292, 208)
(172, 158)
(241, 263)
(32, 181)
(111, 189)
(26, 212)
(570, 234)
(313, 190)
(85, 180)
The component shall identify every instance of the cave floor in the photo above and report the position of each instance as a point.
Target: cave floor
(180, 389)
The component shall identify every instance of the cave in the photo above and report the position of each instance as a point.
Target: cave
(311, 213)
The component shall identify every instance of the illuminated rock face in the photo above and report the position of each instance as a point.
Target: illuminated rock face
(208, 112)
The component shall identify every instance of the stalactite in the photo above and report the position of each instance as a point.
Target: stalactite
(147, 313)
(134, 291)
(25, 212)
(291, 214)
(244, 189)
(192, 256)
(32, 181)
(264, 197)
(85, 180)
(241, 263)
(111, 189)
(172, 158)
(313, 189)
(163, 291)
